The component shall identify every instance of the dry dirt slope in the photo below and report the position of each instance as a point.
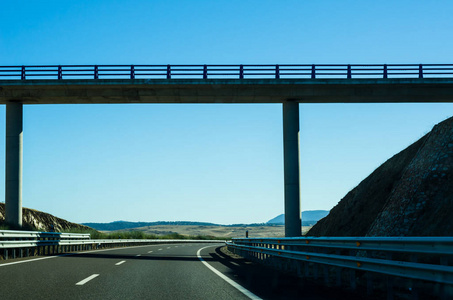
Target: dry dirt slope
(33, 219)
(411, 194)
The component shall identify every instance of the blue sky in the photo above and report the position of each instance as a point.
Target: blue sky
(219, 163)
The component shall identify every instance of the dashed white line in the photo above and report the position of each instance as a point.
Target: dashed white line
(159, 249)
(87, 279)
(150, 251)
(138, 255)
(168, 247)
(119, 263)
(234, 284)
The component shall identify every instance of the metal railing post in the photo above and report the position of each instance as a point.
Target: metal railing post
(277, 72)
(168, 72)
(96, 72)
(420, 71)
(313, 72)
(60, 73)
(132, 72)
(349, 72)
(205, 72)
(385, 72)
(22, 73)
(241, 72)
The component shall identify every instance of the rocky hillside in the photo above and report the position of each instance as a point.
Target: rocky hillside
(34, 219)
(411, 194)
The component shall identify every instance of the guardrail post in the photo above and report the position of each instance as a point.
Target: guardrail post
(349, 72)
(313, 72)
(60, 73)
(339, 269)
(205, 72)
(13, 168)
(241, 72)
(326, 275)
(168, 72)
(291, 169)
(277, 72)
(132, 72)
(369, 283)
(385, 71)
(420, 71)
(96, 72)
(22, 73)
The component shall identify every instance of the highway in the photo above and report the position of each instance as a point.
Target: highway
(161, 271)
(165, 271)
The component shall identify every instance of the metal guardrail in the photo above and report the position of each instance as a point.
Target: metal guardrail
(14, 234)
(414, 258)
(276, 71)
(25, 243)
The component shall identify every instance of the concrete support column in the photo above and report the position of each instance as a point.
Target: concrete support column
(13, 184)
(291, 169)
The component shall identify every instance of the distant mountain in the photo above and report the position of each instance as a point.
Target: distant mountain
(309, 217)
(118, 225)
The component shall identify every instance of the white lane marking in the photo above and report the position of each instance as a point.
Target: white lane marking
(150, 251)
(30, 260)
(119, 263)
(168, 247)
(159, 249)
(87, 279)
(138, 255)
(240, 288)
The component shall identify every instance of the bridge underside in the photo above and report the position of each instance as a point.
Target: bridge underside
(289, 92)
(226, 91)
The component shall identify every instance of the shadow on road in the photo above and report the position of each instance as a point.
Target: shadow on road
(268, 283)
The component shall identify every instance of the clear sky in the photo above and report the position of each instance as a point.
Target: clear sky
(219, 163)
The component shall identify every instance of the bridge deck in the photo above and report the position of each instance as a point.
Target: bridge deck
(66, 91)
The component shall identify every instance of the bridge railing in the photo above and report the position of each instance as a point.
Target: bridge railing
(282, 71)
(15, 244)
(404, 262)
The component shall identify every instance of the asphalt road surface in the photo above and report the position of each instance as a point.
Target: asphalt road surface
(165, 271)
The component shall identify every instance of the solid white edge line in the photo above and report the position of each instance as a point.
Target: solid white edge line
(28, 260)
(119, 263)
(87, 279)
(239, 287)
(65, 254)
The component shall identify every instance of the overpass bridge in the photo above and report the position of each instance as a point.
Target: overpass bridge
(285, 84)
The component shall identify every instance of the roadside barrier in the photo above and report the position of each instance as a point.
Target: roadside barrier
(408, 265)
(14, 244)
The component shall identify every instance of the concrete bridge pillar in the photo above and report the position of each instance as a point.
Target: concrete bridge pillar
(291, 169)
(13, 184)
